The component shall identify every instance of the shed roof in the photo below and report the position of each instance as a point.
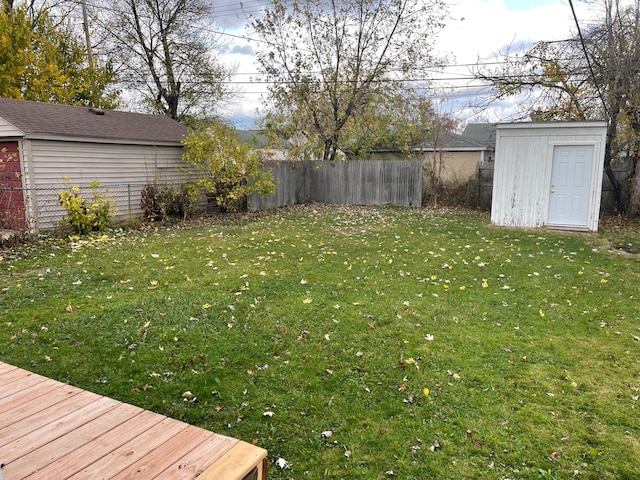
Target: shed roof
(37, 119)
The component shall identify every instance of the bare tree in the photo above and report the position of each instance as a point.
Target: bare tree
(593, 75)
(329, 62)
(165, 51)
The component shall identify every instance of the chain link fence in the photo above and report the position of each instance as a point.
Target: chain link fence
(38, 209)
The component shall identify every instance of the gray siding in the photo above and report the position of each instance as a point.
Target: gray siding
(8, 130)
(123, 170)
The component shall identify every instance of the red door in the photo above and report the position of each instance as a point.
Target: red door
(12, 210)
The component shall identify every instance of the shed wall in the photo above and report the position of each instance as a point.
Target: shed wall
(522, 175)
(127, 168)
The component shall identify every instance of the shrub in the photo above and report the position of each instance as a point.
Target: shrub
(161, 201)
(84, 217)
(230, 169)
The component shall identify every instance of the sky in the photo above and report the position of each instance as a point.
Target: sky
(477, 31)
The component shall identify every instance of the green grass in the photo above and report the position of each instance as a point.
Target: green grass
(338, 319)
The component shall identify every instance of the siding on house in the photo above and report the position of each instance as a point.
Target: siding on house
(522, 175)
(123, 151)
(85, 162)
(8, 130)
(124, 170)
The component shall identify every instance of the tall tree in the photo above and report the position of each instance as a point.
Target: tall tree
(589, 76)
(330, 62)
(164, 51)
(43, 60)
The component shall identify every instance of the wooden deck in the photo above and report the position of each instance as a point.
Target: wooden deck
(50, 430)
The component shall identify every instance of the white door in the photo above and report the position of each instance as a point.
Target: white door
(570, 185)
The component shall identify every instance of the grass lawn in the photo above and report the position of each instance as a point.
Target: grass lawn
(356, 343)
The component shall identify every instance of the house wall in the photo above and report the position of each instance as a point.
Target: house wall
(123, 169)
(522, 174)
(8, 130)
(456, 166)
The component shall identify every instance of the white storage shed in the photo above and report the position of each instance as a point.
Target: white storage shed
(548, 174)
(43, 144)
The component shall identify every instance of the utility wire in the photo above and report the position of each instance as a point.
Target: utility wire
(586, 54)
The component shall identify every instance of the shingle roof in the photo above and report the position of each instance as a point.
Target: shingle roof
(453, 141)
(484, 133)
(35, 118)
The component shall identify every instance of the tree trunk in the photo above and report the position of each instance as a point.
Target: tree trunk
(634, 194)
(634, 180)
(608, 156)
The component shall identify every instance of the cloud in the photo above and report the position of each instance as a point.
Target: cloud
(242, 50)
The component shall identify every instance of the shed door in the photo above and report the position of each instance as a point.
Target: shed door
(570, 185)
(12, 209)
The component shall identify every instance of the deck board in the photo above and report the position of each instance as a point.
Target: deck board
(95, 449)
(50, 430)
(35, 414)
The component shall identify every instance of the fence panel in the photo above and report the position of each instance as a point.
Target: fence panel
(292, 185)
(353, 182)
(44, 212)
(368, 182)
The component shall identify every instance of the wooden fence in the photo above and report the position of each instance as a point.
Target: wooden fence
(379, 182)
(353, 182)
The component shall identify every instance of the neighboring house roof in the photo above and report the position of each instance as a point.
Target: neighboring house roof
(484, 133)
(254, 137)
(450, 142)
(46, 120)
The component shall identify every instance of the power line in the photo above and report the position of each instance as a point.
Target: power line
(586, 54)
